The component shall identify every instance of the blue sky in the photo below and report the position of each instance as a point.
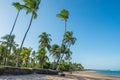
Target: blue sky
(95, 23)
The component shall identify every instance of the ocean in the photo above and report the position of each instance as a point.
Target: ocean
(108, 73)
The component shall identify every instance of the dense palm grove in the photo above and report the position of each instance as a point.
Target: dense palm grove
(13, 54)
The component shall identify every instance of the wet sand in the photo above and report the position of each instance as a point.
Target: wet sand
(83, 75)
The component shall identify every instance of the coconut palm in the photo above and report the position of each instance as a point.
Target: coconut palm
(33, 59)
(55, 51)
(14, 58)
(68, 54)
(11, 44)
(25, 53)
(2, 52)
(19, 7)
(63, 49)
(31, 6)
(45, 40)
(69, 39)
(64, 15)
(42, 57)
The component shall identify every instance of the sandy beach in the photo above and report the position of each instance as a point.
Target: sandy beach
(83, 75)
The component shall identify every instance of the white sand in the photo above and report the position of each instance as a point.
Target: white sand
(84, 75)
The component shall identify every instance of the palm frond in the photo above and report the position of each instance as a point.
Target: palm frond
(17, 5)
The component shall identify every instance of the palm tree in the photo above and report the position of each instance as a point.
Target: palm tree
(11, 44)
(31, 6)
(68, 54)
(69, 39)
(25, 53)
(33, 59)
(19, 7)
(64, 15)
(2, 51)
(44, 43)
(55, 52)
(45, 40)
(42, 57)
(14, 58)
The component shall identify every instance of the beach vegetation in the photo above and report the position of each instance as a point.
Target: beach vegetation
(25, 60)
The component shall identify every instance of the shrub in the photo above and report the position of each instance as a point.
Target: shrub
(22, 71)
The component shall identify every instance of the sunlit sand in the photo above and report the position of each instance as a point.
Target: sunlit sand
(83, 75)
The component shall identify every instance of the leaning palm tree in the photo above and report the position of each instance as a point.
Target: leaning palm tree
(64, 15)
(45, 40)
(19, 7)
(31, 6)
(68, 40)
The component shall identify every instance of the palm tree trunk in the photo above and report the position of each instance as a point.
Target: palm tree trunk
(18, 65)
(9, 37)
(60, 58)
(65, 27)
(42, 66)
(14, 22)
(54, 65)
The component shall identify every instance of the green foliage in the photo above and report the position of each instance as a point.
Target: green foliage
(64, 14)
(25, 56)
(68, 66)
(42, 57)
(76, 67)
(11, 47)
(68, 54)
(55, 51)
(31, 6)
(18, 6)
(45, 40)
(69, 39)
(2, 52)
(47, 65)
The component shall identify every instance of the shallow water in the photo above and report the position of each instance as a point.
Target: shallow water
(108, 73)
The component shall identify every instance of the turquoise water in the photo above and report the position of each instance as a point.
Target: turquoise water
(108, 73)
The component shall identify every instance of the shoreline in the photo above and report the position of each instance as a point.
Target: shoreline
(106, 75)
(93, 75)
(78, 75)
